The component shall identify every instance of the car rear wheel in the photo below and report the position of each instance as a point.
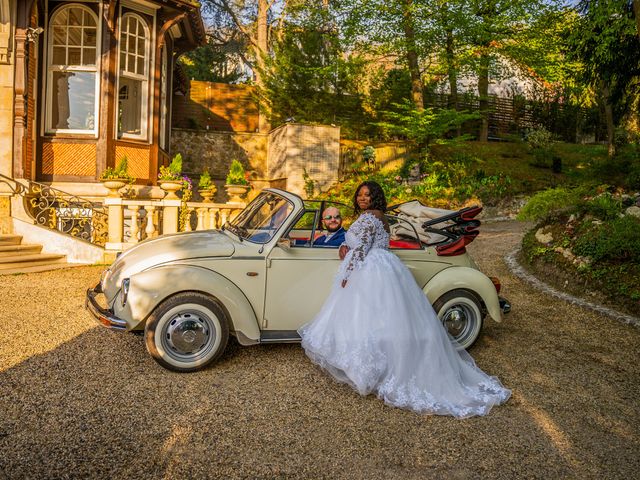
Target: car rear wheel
(461, 314)
(187, 332)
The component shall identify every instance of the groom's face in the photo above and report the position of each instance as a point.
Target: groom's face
(332, 219)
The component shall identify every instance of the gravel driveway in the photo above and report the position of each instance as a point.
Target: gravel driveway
(78, 401)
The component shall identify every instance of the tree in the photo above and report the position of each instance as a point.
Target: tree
(309, 77)
(217, 61)
(251, 20)
(605, 40)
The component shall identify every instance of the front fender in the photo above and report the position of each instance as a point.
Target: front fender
(149, 288)
(469, 279)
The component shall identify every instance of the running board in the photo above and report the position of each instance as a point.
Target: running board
(280, 336)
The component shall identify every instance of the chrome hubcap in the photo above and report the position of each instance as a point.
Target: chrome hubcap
(187, 334)
(455, 320)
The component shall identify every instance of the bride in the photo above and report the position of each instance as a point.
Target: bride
(378, 333)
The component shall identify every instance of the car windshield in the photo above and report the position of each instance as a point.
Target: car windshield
(262, 218)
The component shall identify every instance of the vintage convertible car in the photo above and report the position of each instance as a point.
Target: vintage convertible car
(260, 278)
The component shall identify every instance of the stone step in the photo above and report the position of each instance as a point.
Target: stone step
(7, 239)
(32, 260)
(23, 249)
(39, 268)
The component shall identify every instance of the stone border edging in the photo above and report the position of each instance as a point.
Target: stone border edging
(518, 271)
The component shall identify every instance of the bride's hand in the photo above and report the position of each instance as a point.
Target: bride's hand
(342, 252)
(344, 283)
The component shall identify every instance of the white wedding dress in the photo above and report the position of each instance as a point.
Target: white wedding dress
(380, 335)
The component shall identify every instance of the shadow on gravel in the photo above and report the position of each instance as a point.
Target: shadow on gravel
(98, 406)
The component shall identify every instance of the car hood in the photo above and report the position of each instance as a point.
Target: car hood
(167, 248)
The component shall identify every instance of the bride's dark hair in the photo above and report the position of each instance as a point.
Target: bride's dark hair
(378, 200)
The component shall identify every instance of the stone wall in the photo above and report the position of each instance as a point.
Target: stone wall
(294, 148)
(216, 150)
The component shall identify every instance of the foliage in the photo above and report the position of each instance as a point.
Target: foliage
(120, 172)
(204, 183)
(424, 126)
(605, 40)
(309, 183)
(546, 202)
(539, 138)
(236, 175)
(173, 172)
(369, 155)
(617, 240)
(604, 206)
(219, 60)
(309, 78)
(184, 216)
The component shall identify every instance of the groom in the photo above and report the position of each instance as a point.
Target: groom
(335, 233)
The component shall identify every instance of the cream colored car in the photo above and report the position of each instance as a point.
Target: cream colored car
(260, 278)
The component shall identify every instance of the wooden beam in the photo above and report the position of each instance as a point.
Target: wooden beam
(154, 153)
(105, 146)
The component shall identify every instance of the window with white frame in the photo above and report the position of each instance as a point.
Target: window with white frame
(133, 83)
(72, 73)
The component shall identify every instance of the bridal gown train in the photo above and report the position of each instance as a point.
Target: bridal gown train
(379, 334)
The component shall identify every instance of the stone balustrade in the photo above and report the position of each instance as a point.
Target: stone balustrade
(131, 221)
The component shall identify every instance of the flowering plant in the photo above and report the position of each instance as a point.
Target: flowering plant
(174, 171)
(120, 172)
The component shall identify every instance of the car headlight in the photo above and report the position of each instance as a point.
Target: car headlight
(125, 290)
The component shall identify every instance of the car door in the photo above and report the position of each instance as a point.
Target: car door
(299, 278)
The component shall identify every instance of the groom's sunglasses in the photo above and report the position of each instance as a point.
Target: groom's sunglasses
(330, 217)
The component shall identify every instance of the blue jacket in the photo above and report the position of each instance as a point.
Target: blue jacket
(335, 241)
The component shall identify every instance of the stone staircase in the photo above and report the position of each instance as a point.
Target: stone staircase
(16, 257)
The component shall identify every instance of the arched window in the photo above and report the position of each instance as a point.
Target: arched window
(133, 81)
(72, 76)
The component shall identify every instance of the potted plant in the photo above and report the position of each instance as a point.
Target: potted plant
(170, 177)
(206, 188)
(115, 178)
(237, 184)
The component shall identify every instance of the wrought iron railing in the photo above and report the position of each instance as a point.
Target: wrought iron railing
(130, 220)
(55, 209)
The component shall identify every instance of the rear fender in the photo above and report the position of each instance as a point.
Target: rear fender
(469, 279)
(149, 288)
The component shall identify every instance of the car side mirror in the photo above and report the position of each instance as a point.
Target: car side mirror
(284, 243)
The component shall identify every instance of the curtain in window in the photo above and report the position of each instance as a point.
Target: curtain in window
(72, 70)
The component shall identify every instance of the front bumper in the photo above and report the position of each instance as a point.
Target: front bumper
(103, 316)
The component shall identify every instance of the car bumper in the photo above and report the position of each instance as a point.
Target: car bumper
(103, 316)
(505, 305)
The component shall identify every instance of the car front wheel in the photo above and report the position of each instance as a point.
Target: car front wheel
(187, 332)
(461, 314)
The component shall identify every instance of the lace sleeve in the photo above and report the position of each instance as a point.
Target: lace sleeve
(362, 236)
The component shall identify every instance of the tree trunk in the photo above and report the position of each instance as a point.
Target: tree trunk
(412, 54)
(483, 93)
(261, 52)
(452, 72)
(608, 115)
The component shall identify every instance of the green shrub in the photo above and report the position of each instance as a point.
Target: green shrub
(236, 174)
(617, 240)
(604, 206)
(543, 203)
(120, 172)
(174, 171)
